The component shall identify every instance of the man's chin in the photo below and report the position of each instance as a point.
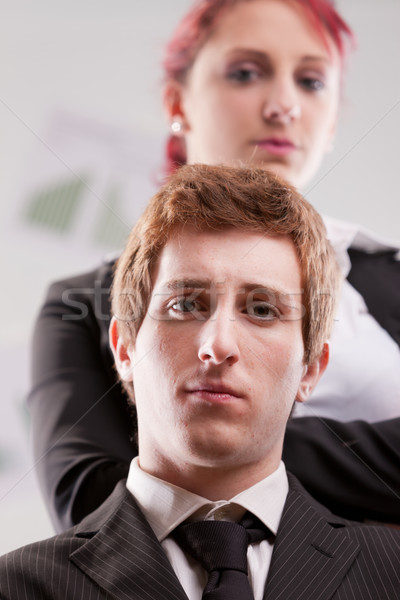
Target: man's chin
(217, 450)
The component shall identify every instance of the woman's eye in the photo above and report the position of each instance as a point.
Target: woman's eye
(243, 74)
(312, 84)
(263, 311)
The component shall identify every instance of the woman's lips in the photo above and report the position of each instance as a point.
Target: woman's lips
(277, 146)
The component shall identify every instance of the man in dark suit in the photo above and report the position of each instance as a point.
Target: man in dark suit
(223, 300)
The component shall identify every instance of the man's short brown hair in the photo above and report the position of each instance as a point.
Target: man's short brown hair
(219, 198)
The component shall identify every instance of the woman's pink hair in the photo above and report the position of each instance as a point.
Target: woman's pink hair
(197, 25)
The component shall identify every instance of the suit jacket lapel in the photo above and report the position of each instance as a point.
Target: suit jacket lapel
(123, 556)
(312, 553)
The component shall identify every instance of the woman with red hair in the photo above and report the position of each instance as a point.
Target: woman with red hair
(254, 82)
(208, 56)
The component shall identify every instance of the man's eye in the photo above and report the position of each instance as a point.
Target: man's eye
(186, 305)
(263, 311)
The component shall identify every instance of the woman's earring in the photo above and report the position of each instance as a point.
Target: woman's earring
(177, 126)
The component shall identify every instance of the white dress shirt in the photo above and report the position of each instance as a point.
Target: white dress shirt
(166, 506)
(362, 380)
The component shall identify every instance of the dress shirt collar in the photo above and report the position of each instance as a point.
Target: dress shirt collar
(165, 506)
(344, 235)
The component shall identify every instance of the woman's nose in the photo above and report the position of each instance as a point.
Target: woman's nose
(281, 104)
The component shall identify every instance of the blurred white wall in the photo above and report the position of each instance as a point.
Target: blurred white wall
(99, 60)
(358, 180)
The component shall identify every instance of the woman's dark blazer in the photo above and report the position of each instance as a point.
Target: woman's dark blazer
(82, 426)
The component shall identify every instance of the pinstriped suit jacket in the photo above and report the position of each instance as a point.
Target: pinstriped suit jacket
(114, 555)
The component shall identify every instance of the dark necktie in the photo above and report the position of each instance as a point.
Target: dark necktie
(221, 548)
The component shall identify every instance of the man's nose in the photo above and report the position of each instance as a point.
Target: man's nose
(219, 342)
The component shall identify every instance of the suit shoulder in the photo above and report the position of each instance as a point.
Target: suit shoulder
(36, 571)
(373, 536)
(366, 557)
(377, 568)
(44, 569)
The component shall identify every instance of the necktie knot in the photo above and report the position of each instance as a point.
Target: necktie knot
(221, 548)
(215, 544)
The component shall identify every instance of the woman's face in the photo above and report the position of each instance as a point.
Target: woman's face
(263, 90)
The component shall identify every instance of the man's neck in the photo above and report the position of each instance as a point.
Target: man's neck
(212, 482)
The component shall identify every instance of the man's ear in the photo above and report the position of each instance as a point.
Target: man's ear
(312, 374)
(122, 354)
(173, 103)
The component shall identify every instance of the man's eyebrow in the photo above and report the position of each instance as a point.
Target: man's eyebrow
(286, 299)
(179, 284)
(174, 285)
(263, 288)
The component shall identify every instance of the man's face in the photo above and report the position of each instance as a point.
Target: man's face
(218, 360)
